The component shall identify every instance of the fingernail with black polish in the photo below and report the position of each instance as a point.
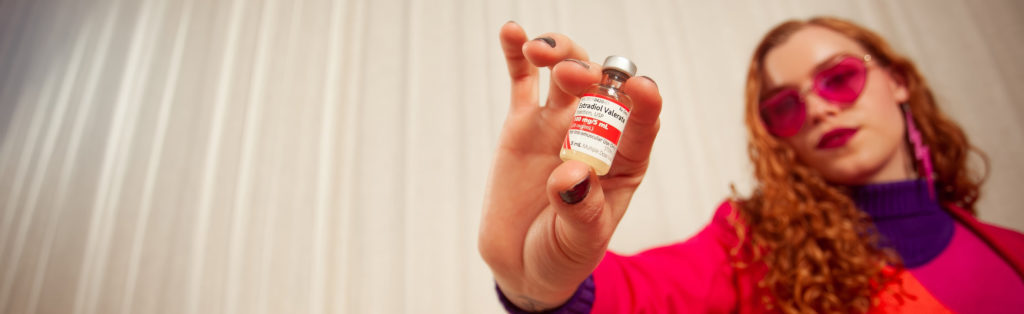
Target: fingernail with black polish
(577, 192)
(547, 40)
(650, 79)
(580, 62)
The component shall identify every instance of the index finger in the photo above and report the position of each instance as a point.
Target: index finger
(550, 49)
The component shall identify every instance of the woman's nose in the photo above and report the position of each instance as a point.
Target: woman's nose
(818, 109)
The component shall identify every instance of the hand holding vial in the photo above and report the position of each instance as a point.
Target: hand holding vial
(546, 223)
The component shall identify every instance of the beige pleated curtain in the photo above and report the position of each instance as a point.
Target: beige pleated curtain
(270, 156)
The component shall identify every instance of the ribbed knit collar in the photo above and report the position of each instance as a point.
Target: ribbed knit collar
(908, 219)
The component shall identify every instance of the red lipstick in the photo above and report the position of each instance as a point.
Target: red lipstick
(836, 138)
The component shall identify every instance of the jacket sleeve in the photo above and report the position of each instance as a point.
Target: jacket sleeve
(694, 276)
(581, 302)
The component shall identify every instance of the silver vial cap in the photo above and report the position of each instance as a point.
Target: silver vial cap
(621, 64)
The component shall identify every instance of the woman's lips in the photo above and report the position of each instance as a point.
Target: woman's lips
(836, 138)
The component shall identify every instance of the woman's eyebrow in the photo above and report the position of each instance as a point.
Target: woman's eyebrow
(771, 92)
(829, 61)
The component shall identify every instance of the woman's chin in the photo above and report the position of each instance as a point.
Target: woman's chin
(852, 172)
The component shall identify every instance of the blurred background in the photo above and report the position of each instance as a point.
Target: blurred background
(271, 156)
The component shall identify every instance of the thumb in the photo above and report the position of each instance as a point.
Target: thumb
(582, 224)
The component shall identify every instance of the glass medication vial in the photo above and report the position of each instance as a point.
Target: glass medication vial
(600, 118)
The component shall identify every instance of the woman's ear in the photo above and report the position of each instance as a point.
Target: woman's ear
(898, 85)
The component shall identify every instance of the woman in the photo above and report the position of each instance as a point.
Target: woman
(863, 203)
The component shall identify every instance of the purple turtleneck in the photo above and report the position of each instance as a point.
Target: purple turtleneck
(907, 217)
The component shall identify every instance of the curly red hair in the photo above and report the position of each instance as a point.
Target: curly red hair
(808, 231)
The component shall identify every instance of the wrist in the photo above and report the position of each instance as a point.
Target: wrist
(577, 300)
(531, 301)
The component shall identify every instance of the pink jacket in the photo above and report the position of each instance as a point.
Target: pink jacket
(696, 276)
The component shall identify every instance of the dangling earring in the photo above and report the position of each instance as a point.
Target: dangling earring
(920, 149)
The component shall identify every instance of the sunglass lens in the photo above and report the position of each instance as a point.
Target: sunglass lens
(783, 113)
(843, 82)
